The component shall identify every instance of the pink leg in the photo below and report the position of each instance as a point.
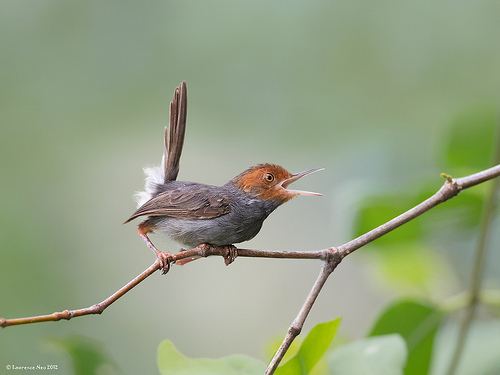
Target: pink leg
(163, 256)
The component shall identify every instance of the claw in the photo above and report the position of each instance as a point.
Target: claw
(230, 254)
(165, 259)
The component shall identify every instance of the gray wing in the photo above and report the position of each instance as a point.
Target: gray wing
(191, 202)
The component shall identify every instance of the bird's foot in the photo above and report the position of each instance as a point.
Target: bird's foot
(165, 259)
(230, 254)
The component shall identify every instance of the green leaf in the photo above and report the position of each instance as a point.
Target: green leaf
(87, 356)
(401, 258)
(377, 210)
(417, 323)
(312, 349)
(171, 361)
(273, 346)
(470, 142)
(411, 267)
(383, 355)
(461, 213)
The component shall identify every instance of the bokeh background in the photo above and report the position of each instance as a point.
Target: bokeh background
(367, 90)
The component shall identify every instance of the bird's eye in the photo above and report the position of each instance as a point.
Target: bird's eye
(269, 177)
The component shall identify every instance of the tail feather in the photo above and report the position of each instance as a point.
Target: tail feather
(174, 134)
(152, 185)
(174, 139)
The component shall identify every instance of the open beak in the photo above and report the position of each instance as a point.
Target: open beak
(297, 176)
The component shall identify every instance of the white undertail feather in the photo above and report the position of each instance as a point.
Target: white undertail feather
(154, 176)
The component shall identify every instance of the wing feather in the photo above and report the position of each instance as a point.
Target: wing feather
(186, 203)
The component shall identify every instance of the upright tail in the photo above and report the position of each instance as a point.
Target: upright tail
(174, 139)
(174, 134)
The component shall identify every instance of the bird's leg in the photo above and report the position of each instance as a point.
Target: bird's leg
(164, 257)
(231, 252)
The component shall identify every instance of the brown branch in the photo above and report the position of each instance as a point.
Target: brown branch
(331, 258)
(98, 308)
(331, 262)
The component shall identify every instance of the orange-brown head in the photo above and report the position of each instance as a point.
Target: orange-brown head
(271, 181)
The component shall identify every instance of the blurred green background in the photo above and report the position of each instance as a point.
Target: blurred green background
(368, 90)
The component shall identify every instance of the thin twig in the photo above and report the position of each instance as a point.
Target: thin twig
(487, 297)
(331, 257)
(477, 269)
(296, 327)
(98, 308)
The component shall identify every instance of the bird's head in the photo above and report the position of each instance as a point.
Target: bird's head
(271, 182)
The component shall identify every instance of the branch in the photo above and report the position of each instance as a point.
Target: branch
(98, 308)
(477, 269)
(331, 257)
(296, 327)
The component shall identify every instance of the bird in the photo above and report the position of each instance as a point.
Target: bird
(200, 215)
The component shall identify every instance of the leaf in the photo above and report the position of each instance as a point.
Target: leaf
(383, 355)
(401, 258)
(461, 213)
(312, 349)
(273, 346)
(171, 361)
(87, 356)
(417, 323)
(378, 209)
(470, 141)
(411, 267)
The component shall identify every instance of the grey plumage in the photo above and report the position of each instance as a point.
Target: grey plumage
(240, 220)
